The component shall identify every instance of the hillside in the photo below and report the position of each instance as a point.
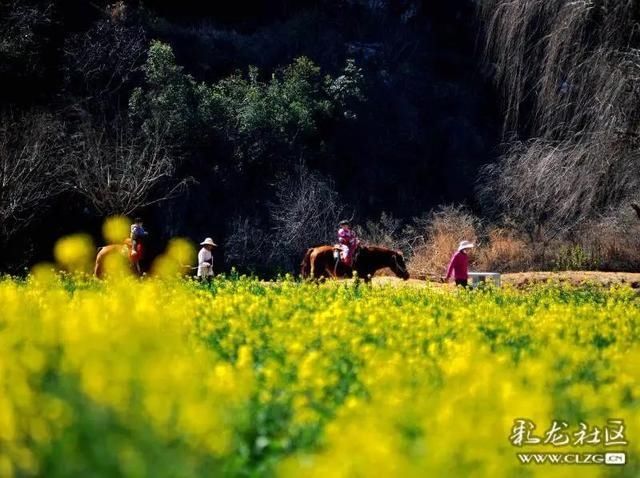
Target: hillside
(262, 123)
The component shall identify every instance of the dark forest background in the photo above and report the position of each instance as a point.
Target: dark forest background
(261, 123)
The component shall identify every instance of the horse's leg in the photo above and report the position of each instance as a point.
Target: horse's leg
(364, 274)
(328, 272)
(367, 278)
(306, 266)
(331, 269)
(317, 268)
(312, 270)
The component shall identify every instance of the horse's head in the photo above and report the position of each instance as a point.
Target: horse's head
(398, 265)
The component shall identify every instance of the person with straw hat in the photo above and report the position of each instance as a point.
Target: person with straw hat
(459, 265)
(205, 259)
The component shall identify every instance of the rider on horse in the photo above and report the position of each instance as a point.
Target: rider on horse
(348, 242)
(137, 235)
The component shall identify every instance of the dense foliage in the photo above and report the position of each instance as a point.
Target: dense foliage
(242, 378)
(254, 122)
(383, 105)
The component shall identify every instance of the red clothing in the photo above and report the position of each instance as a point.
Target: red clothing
(347, 237)
(139, 252)
(349, 242)
(459, 266)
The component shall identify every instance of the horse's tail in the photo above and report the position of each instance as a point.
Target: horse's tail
(305, 266)
(98, 270)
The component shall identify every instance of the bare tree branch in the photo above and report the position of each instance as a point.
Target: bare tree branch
(554, 186)
(304, 213)
(569, 71)
(31, 167)
(570, 61)
(120, 171)
(99, 62)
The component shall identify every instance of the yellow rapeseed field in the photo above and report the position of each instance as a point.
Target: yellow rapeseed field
(167, 377)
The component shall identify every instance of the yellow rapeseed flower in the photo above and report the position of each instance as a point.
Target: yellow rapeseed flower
(75, 253)
(116, 229)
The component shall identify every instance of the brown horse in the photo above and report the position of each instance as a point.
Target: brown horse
(123, 249)
(320, 262)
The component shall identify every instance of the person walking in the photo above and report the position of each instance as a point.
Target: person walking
(459, 265)
(205, 259)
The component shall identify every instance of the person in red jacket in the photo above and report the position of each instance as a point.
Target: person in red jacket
(459, 265)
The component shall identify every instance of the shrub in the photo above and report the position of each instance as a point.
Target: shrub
(568, 71)
(613, 241)
(504, 251)
(440, 234)
(388, 232)
(304, 213)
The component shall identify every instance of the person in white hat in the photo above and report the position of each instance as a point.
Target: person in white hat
(205, 259)
(459, 265)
